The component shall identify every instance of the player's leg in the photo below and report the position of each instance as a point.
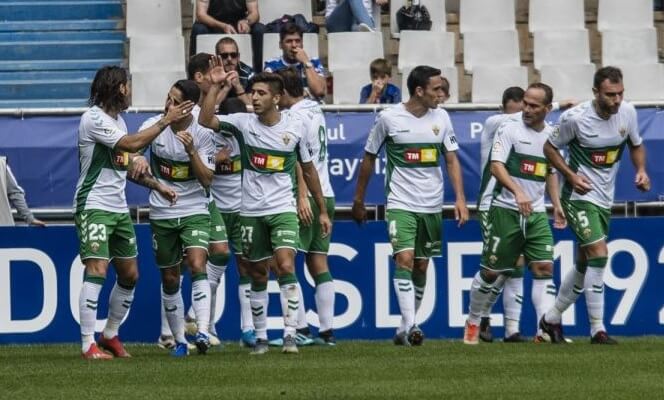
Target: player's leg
(218, 256)
(513, 303)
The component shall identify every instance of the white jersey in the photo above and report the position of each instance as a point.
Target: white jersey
(316, 140)
(226, 185)
(269, 155)
(595, 148)
(521, 149)
(103, 170)
(414, 178)
(171, 166)
(488, 181)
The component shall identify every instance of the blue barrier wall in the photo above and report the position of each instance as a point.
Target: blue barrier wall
(42, 154)
(40, 278)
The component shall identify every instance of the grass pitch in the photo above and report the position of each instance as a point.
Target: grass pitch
(353, 370)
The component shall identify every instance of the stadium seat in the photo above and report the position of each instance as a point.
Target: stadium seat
(149, 89)
(450, 73)
(644, 82)
(629, 47)
(272, 9)
(624, 15)
(347, 83)
(490, 48)
(439, 49)
(354, 50)
(482, 15)
(546, 15)
(271, 45)
(153, 17)
(489, 82)
(569, 81)
(436, 10)
(206, 43)
(560, 47)
(156, 53)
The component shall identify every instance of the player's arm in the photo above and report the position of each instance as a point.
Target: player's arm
(314, 74)
(218, 76)
(503, 177)
(359, 212)
(454, 171)
(136, 142)
(303, 208)
(148, 181)
(580, 183)
(552, 188)
(200, 169)
(312, 182)
(638, 157)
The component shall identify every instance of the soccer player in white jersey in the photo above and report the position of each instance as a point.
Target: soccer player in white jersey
(101, 215)
(311, 241)
(270, 147)
(595, 134)
(183, 159)
(415, 135)
(517, 221)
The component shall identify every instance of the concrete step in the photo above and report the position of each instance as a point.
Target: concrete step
(62, 65)
(45, 89)
(46, 75)
(54, 50)
(65, 25)
(44, 103)
(30, 36)
(59, 10)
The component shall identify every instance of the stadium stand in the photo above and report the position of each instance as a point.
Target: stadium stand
(439, 50)
(546, 15)
(206, 44)
(643, 81)
(436, 10)
(629, 47)
(561, 47)
(569, 81)
(153, 17)
(490, 48)
(271, 45)
(482, 16)
(624, 15)
(347, 84)
(348, 50)
(489, 81)
(149, 89)
(271, 10)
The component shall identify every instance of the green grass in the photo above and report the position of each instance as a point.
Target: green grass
(352, 370)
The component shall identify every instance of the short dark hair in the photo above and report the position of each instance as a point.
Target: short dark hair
(420, 76)
(380, 66)
(290, 29)
(231, 106)
(226, 40)
(292, 82)
(105, 88)
(613, 74)
(273, 80)
(189, 89)
(512, 93)
(198, 63)
(548, 92)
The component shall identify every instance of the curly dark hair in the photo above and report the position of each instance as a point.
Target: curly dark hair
(105, 89)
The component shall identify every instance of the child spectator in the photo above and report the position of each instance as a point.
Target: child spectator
(380, 90)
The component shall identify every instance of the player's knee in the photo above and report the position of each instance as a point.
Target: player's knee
(596, 250)
(405, 259)
(219, 259)
(170, 283)
(128, 279)
(598, 262)
(488, 276)
(542, 270)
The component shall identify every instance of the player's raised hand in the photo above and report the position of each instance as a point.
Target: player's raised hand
(139, 166)
(559, 219)
(223, 156)
(642, 181)
(187, 140)
(461, 214)
(176, 113)
(359, 212)
(325, 225)
(168, 193)
(217, 73)
(581, 184)
(304, 212)
(524, 203)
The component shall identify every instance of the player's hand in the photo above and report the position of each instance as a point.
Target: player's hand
(243, 26)
(581, 184)
(229, 29)
(223, 156)
(524, 203)
(359, 212)
(642, 181)
(187, 141)
(304, 211)
(460, 212)
(559, 219)
(181, 111)
(139, 166)
(325, 224)
(300, 55)
(168, 193)
(217, 73)
(567, 103)
(38, 222)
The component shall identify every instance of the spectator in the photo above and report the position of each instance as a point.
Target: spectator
(231, 17)
(311, 70)
(227, 49)
(344, 15)
(446, 90)
(380, 90)
(11, 194)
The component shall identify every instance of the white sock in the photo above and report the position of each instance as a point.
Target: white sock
(325, 305)
(301, 312)
(570, 289)
(259, 302)
(480, 291)
(200, 293)
(244, 294)
(215, 275)
(290, 307)
(88, 301)
(543, 295)
(403, 287)
(174, 307)
(512, 304)
(119, 305)
(496, 290)
(594, 285)
(165, 328)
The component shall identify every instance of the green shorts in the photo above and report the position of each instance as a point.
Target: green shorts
(589, 222)
(483, 217)
(233, 230)
(311, 240)
(509, 235)
(218, 232)
(105, 235)
(171, 237)
(419, 232)
(262, 236)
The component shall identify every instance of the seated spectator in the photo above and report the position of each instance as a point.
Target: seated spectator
(380, 90)
(229, 52)
(231, 17)
(446, 90)
(348, 15)
(293, 55)
(11, 194)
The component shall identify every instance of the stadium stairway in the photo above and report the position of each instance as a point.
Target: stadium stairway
(50, 49)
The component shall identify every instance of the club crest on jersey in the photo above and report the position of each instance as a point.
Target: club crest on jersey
(556, 132)
(586, 233)
(435, 129)
(94, 246)
(286, 138)
(493, 259)
(623, 131)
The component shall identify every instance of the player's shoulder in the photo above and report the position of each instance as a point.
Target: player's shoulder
(391, 112)
(576, 113)
(440, 113)
(627, 108)
(152, 120)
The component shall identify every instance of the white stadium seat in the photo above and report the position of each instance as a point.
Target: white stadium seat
(439, 49)
(569, 81)
(489, 82)
(490, 48)
(629, 47)
(271, 45)
(354, 50)
(625, 14)
(436, 10)
(270, 10)
(156, 53)
(450, 73)
(560, 47)
(643, 82)
(347, 83)
(149, 89)
(546, 15)
(207, 43)
(483, 15)
(153, 17)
